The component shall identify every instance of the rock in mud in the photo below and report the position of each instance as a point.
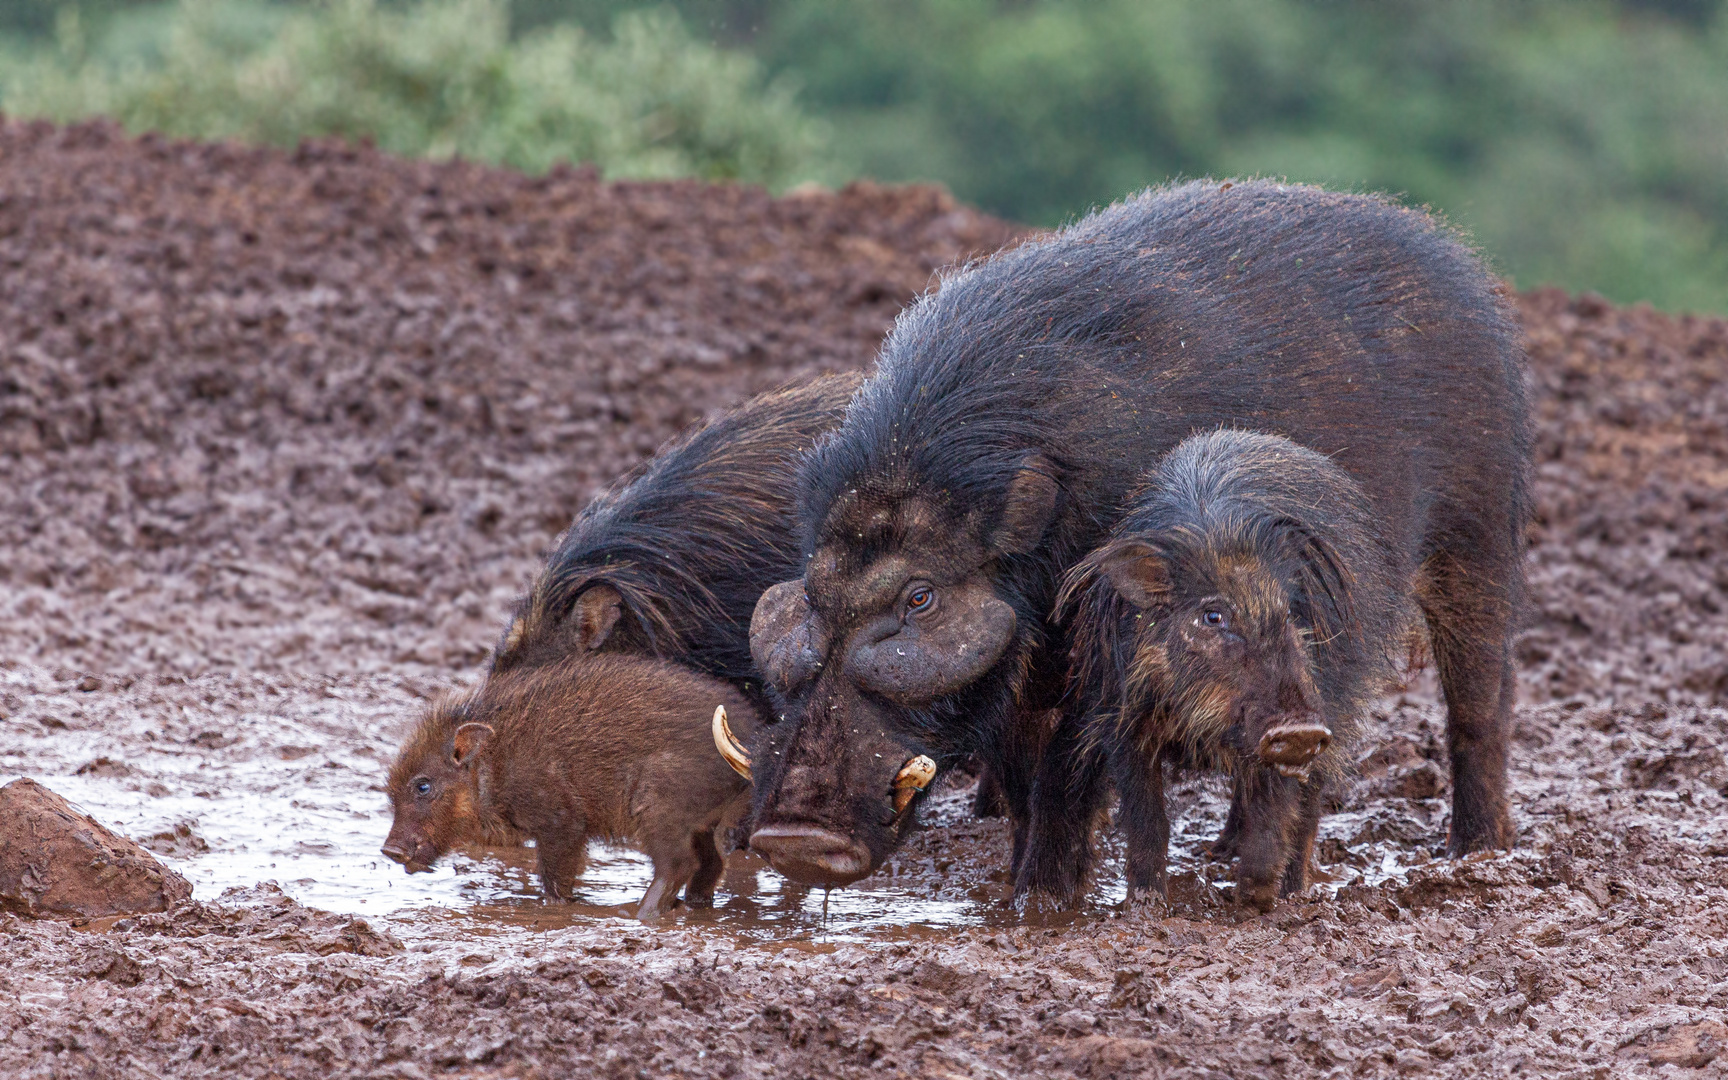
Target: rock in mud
(56, 862)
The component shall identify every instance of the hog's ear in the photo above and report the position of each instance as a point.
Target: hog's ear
(469, 740)
(786, 649)
(1138, 572)
(1030, 505)
(597, 611)
(1324, 579)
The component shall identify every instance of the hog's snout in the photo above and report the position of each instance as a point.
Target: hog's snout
(1292, 743)
(415, 857)
(812, 855)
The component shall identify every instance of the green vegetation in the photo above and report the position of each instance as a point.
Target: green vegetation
(1581, 142)
(439, 78)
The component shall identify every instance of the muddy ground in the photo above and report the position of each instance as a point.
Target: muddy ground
(282, 434)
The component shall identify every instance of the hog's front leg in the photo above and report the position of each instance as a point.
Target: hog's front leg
(1271, 809)
(1142, 817)
(561, 849)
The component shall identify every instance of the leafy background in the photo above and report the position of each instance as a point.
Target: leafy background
(1580, 143)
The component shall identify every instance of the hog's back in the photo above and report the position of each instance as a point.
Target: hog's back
(1346, 323)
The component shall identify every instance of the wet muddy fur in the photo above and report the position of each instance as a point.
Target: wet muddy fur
(1015, 408)
(670, 561)
(1239, 618)
(611, 747)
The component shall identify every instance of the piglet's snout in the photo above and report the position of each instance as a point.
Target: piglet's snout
(409, 853)
(1292, 743)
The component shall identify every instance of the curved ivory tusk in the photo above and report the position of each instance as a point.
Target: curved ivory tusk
(729, 746)
(913, 777)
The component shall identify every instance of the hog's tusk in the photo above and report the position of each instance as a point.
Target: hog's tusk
(913, 777)
(729, 746)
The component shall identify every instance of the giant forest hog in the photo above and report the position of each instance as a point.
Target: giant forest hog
(1014, 409)
(665, 566)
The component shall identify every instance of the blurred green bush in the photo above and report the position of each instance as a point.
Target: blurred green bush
(436, 78)
(1580, 142)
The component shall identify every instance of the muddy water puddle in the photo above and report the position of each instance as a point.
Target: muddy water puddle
(234, 784)
(318, 842)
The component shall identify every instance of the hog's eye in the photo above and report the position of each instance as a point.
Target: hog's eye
(923, 599)
(423, 786)
(1215, 619)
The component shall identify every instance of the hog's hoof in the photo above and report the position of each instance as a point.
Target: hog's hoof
(1152, 899)
(1291, 748)
(1037, 904)
(1260, 897)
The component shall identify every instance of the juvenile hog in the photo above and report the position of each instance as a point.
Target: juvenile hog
(614, 747)
(1238, 618)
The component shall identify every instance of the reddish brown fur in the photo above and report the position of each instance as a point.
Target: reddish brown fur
(613, 747)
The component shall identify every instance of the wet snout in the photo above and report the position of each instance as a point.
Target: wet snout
(812, 854)
(1291, 743)
(415, 856)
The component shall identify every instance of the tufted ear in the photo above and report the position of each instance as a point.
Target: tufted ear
(1324, 579)
(597, 611)
(1030, 505)
(469, 740)
(1137, 571)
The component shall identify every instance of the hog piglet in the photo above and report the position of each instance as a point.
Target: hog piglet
(614, 747)
(1238, 618)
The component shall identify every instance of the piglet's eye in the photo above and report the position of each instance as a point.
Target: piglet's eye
(922, 599)
(1215, 619)
(424, 787)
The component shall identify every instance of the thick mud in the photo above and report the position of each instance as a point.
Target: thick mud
(282, 435)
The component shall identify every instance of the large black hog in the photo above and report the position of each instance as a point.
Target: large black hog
(1239, 618)
(1015, 407)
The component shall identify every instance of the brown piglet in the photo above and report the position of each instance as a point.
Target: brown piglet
(614, 747)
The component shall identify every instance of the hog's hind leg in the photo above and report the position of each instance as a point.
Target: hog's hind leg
(1470, 612)
(710, 864)
(1223, 849)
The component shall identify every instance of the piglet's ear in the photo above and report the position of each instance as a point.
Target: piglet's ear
(1138, 572)
(597, 611)
(469, 740)
(1030, 505)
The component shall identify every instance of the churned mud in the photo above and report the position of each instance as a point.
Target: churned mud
(282, 434)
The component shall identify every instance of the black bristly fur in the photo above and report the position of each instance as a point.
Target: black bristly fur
(1219, 507)
(1352, 325)
(690, 538)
